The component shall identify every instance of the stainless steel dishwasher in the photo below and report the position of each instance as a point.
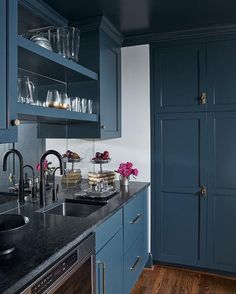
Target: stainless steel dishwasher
(74, 273)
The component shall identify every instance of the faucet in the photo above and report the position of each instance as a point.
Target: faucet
(42, 193)
(33, 180)
(21, 179)
(54, 187)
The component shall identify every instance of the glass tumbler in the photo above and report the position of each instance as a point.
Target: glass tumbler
(74, 43)
(59, 39)
(53, 99)
(84, 104)
(90, 106)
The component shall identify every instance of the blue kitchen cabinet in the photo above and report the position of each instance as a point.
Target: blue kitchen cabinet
(222, 191)
(109, 255)
(100, 51)
(178, 73)
(110, 266)
(8, 57)
(221, 68)
(122, 247)
(179, 208)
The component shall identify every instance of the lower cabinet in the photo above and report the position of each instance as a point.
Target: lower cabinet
(109, 266)
(121, 247)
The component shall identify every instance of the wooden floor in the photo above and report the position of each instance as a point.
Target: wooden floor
(163, 280)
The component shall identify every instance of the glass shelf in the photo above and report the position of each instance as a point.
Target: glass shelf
(37, 59)
(29, 112)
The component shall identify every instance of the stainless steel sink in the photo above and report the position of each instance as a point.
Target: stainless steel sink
(79, 208)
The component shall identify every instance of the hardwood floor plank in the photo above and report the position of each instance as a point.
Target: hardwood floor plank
(166, 280)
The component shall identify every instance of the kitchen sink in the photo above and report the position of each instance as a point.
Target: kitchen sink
(79, 208)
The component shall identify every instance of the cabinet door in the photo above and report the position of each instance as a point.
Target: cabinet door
(8, 69)
(110, 266)
(179, 212)
(178, 78)
(221, 72)
(222, 191)
(3, 66)
(110, 100)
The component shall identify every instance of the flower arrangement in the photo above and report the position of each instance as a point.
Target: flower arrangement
(126, 170)
(46, 167)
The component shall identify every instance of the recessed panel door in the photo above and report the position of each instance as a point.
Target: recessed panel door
(222, 191)
(179, 209)
(179, 78)
(221, 73)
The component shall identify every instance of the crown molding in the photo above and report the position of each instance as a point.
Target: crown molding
(100, 22)
(205, 32)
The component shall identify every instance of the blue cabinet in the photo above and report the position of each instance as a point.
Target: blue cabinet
(121, 247)
(8, 58)
(193, 153)
(179, 210)
(221, 68)
(222, 191)
(178, 73)
(110, 266)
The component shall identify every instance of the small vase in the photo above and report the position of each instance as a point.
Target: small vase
(124, 181)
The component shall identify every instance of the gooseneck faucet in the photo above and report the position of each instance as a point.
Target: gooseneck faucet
(33, 191)
(42, 195)
(21, 179)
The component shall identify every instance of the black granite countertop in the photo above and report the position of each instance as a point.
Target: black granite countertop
(49, 237)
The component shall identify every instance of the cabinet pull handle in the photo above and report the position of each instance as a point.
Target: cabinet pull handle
(135, 265)
(203, 191)
(203, 98)
(15, 122)
(103, 127)
(103, 276)
(136, 219)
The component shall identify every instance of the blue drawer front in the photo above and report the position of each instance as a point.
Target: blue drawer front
(108, 229)
(134, 261)
(134, 214)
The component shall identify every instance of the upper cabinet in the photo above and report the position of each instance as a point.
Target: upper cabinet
(221, 66)
(100, 51)
(179, 75)
(7, 61)
(46, 68)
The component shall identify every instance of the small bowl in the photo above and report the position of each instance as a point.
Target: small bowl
(12, 230)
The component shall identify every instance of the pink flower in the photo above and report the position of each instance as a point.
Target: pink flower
(135, 172)
(125, 169)
(45, 166)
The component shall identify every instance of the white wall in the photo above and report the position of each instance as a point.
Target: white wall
(135, 142)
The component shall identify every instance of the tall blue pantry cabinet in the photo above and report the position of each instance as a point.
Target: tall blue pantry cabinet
(194, 153)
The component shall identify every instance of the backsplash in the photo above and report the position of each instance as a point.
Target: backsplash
(29, 145)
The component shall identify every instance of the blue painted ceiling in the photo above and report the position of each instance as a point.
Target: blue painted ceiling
(136, 17)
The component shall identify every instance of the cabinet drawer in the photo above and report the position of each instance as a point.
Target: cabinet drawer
(133, 264)
(108, 229)
(134, 214)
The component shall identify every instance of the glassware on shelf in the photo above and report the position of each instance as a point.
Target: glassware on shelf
(41, 40)
(84, 105)
(90, 106)
(74, 43)
(76, 104)
(26, 90)
(53, 99)
(65, 41)
(65, 101)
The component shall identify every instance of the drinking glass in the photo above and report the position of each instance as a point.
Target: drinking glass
(59, 38)
(84, 103)
(76, 104)
(74, 43)
(65, 101)
(90, 106)
(53, 99)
